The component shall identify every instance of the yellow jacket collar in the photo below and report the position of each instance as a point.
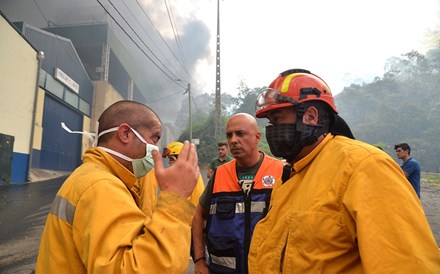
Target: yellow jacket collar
(107, 162)
(309, 157)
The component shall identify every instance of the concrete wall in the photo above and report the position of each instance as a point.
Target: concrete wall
(18, 81)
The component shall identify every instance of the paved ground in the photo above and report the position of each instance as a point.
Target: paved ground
(19, 242)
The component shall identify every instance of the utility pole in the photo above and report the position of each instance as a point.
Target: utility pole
(218, 113)
(188, 90)
(189, 111)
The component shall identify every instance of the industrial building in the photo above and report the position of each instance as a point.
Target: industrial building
(49, 76)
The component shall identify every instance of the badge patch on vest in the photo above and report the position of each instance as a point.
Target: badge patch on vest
(268, 180)
(246, 185)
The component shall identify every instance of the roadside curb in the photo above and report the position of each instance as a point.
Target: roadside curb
(38, 175)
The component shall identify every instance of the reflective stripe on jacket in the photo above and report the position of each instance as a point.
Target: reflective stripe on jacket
(96, 224)
(234, 213)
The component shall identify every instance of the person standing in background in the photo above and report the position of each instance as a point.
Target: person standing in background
(171, 152)
(410, 166)
(236, 197)
(223, 157)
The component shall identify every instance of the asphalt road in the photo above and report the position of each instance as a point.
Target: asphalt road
(23, 211)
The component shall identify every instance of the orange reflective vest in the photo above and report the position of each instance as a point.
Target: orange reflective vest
(236, 207)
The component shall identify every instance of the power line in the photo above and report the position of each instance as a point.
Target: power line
(45, 19)
(176, 80)
(160, 35)
(151, 39)
(176, 34)
(128, 24)
(137, 45)
(165, 97)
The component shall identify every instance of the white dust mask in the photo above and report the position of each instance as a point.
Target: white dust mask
(140, 166)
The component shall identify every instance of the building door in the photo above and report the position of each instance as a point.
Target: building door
(60, 150)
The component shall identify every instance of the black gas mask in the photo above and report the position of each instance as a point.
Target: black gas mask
(287, 140)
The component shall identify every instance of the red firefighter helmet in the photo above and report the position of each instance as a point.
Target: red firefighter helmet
(293, 87)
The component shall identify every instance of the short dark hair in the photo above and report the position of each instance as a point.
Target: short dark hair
(403, 146)
(222, 143)
(136, 114)
(325, 113)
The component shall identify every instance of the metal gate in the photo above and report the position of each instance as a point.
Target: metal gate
(59, 149)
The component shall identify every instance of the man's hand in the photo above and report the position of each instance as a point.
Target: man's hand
(209, 173)
(180, 178)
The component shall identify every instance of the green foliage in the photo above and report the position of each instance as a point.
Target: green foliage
(204, 130)
(203, 123)
(401, 106)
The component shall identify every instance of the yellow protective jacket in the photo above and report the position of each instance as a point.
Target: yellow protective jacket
(95, 224)
(347, 208)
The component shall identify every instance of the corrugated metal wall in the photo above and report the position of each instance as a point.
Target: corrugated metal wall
(60, 53)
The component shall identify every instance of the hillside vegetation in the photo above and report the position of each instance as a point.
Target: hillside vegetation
(401, 106)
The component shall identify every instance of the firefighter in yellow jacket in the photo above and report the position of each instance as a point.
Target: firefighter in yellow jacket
(171, 152)
(149, 188)
(344, 206)
(96, 224)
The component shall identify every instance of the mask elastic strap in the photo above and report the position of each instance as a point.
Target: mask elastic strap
(138, 135)
(95, 141)
(150, 147)
(90, 135)
(116, 154)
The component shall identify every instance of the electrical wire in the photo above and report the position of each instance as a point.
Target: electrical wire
(165, 97)
(176, 79)
(151, 39)
(138, 46)
(137, 35)
(45, 19)
(176, 34)
(160, 35)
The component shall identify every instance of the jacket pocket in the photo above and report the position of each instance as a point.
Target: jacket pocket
(225, 209)
(223, 254)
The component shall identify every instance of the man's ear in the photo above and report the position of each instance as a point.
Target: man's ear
(258, 135)
(124, 132)
(311, 116)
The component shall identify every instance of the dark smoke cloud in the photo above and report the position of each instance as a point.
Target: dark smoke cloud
(162, 94)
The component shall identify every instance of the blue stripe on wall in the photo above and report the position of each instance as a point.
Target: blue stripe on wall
(19, 168)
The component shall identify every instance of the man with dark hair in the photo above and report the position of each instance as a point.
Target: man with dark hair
(343, 206)
(410, 166)
(223, 158)
(99, 221)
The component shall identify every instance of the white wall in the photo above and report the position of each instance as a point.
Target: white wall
(18, 78)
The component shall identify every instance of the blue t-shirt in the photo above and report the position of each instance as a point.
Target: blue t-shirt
(412, 169)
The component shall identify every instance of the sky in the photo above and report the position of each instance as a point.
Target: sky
(342, 41)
